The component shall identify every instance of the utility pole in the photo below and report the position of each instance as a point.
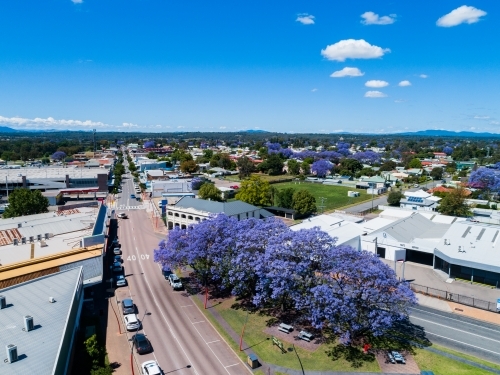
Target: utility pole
(322, 205)
(93, 137)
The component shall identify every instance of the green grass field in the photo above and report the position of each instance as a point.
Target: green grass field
(336, 195)
(256, 338)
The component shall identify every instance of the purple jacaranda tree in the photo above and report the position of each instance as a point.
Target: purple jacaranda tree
(447, 150)
(196, 183)
(358, 296)
(488, 180)
(149, 144)
(321, 167)
(367, 157)
(58, 155)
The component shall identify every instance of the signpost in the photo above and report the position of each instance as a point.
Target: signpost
(279, 344)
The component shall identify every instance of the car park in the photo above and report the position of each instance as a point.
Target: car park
(117, 267)
(122, 215)
(128, 306)
(131, 322)
(117, 251)
(120, 280)
(141, 343)
(175, 282)
(150, 368)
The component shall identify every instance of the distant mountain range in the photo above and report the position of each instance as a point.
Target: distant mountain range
(447, 133)
(6, 129)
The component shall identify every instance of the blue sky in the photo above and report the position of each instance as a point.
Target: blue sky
(227, 66)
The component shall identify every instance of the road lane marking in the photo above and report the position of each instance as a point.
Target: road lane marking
(463, 343)
(456, 329)
(163, 315)
(201, 321)
(457, 320)
(211, 342)
(211, 350)
(187, 306)
(236, 364)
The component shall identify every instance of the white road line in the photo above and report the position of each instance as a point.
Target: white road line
(211, 342)
(163, 315)
(212, 351)
(236, 364)
(202, 321)
(187, 306)
(461, 342)
(456, 329)
(457, 320)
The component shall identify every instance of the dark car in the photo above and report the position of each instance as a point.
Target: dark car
(166, 273)
(128, 306)
(141, 343)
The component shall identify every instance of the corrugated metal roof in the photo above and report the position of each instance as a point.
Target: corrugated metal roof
(414, 226)
(7, 236)
(228, 208)
(39, 347)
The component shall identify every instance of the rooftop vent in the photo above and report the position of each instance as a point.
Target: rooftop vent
(28, 323)
(38, 237)
(11, 353)
(15, 241)
(32, 238)
(23, 240)
(52, 299)
(19, 225)
(46, 236)
(3, 302)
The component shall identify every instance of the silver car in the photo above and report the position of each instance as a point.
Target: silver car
(131, 322)
(175, 282)
(121, 281)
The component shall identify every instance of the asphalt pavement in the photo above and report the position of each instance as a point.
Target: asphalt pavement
(463, 334)
(183, 341)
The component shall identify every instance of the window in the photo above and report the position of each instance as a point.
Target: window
(170, 213)
(197, 219)
(176, 214)
(190, 217)
(183, 216)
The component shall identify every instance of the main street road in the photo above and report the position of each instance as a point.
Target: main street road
(474, 337)
(184, 341)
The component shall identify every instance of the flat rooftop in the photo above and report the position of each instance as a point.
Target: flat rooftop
(37, 350)
(14, 175)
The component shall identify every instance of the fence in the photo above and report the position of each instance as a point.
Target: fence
(454, 297)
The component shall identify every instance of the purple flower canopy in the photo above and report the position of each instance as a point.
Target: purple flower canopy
(349, 291)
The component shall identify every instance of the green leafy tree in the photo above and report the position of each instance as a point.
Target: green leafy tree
(94, 350)
(210, 192)
(284, 198)
(189, 166)
(389, 165)
(453, 204)
(303, 202)
(254, 191)
(437, 173)
(273, 165)
(394, 198)
(152, 155)
(24, 202)
(293, 167)
(306, 167)
(245, 167)
(414, 164)
(350, 166)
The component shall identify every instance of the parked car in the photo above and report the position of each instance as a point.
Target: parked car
(118, 258)
(234, 187)
(132, 196)
(131, 322)
(398, 357)
(390, 358)
(122, 215)
(117, 267)
(128, 306)
(151, 368)
(175, 282)
(416, 185)
(117, 251)
(120, 281)
(141, 343)
(166, 273)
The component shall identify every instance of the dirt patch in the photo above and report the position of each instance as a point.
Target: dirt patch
(292, 338)
(386, 367)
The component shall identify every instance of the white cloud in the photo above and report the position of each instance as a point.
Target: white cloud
(314, 90)
(77, 1)
(376, 83)
(370, 18)
(158, 126)
(129, 125)
(495, 122)
(347, 72)
(375, 94)
(180, 127)
(423, 76)
(222, 127)
(399, 101)
(305, 19)
(463, 14)
(404, 83)
(477, 117)
(49, 123)
(353, 49)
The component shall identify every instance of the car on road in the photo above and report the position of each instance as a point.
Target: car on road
(122, 215)
(132, 196)
(141, 343)
(150, 368)
(117, 267)
(398, 357)
(234, 187)
(128, 306)
(416, 185)
(117, 251)
(175, 282)
(120, 280)
(131, 322)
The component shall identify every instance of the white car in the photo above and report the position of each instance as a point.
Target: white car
(122, 215)
(175, 282)
(121, 280)
(151, 368)
(131, 322)
(117, 251)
